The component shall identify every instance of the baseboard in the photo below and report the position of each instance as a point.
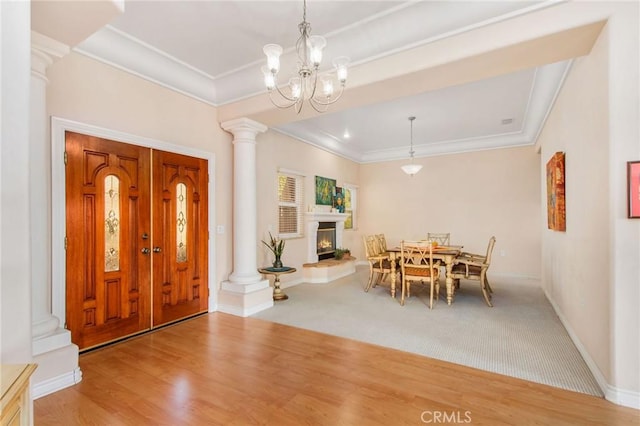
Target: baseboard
(623, 397)
(242, 312)
(615, 395)
(55, 384)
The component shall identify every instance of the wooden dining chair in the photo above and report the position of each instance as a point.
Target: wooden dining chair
(442, 238)
(382, 243)
(416, 264)
(471, 266)
(379, 261)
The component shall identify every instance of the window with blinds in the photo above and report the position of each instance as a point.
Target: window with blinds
(290, 205)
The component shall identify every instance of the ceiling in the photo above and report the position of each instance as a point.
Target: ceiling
(212, 51)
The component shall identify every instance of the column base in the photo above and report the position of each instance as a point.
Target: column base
(57, 360)
(245, 299)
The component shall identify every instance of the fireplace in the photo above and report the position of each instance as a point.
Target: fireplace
(324, 234)
(314, 219)
(326, 240)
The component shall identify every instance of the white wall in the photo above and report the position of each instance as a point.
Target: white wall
(471, 195)
(15, 277)
(591, 272)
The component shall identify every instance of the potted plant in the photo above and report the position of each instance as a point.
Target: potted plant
(277, 247)
(339, 253)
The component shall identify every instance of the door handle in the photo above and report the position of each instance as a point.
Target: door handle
(145, 250)
(157, 250)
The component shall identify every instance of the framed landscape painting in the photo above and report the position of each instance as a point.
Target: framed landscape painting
(633, 185)
(556, 214)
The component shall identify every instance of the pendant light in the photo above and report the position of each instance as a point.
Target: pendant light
(411, 168)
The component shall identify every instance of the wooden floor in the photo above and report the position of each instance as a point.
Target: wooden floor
(220, 369)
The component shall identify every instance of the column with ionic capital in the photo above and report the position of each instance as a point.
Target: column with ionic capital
(44, 52)
(56, 356)
(246, 292)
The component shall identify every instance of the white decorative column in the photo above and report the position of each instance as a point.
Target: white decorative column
(246, 292)
(56, 356)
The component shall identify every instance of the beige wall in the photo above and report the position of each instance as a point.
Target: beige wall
(471, 195)
(90, 92)
(591, 272)
(579, 127)
(275, 150)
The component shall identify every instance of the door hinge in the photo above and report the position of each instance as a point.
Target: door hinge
(66, 241)
(66, 158)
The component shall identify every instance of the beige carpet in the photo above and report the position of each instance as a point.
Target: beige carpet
(521, 336)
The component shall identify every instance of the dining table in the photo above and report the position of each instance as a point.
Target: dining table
(446, 254)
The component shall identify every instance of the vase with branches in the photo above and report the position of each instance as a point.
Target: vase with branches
(277, 247)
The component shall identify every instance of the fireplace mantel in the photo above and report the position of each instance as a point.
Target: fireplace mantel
(326, 217)
(313, 219)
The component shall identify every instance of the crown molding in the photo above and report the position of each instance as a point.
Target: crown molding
(116, 48)
(129, 54)
(544, 90)
(449, 147)
(331, 146)
(550, 80)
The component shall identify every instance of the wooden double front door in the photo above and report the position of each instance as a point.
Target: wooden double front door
(137, 236)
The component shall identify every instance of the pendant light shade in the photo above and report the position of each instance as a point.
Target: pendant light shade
(411, 168)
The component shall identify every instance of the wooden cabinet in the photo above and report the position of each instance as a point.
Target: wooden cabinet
(15, 406)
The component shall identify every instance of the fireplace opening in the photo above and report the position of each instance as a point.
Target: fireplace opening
(326, 241)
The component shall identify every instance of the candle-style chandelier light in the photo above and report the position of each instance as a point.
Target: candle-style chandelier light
(304, 86)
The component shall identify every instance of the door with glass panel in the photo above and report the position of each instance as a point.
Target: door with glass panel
(180, 233)
(112, 251)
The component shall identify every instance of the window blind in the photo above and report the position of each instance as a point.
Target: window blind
(290, 205)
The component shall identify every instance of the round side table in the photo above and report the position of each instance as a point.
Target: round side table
(276, 272)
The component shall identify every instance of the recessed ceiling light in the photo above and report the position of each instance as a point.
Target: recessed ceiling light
(507, 121)
(346, 134)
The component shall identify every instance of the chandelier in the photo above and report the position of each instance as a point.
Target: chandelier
(411, 169)
(304, 86)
